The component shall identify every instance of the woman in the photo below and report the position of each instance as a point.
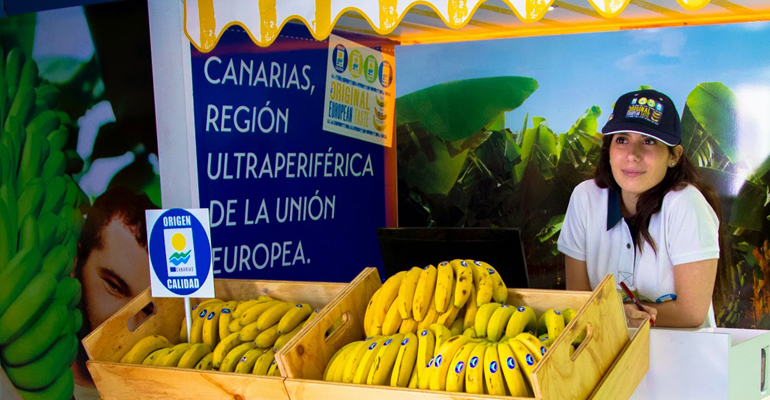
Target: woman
(647, 218)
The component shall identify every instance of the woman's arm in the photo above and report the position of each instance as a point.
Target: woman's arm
(694, 283)
(577, 274)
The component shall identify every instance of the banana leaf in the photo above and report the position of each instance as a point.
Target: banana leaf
(456, 110)
(715, 108)
(437, 176)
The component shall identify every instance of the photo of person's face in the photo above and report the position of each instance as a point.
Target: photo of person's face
(113, 273)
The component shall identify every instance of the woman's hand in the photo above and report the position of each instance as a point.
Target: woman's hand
(635, 317)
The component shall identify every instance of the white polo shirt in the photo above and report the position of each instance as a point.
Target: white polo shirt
(685, 230)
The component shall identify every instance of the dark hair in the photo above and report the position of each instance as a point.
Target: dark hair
(650, 202)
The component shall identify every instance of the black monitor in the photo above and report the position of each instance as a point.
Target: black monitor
(404, 248)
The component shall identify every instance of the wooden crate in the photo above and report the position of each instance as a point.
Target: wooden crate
(608, 365)
(107, 344)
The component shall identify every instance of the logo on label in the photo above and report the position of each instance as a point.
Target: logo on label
(387, 342)
(438, 360)
(355, 63)
(493, 367)
(202, 313)
(490, 271)
(522, 309)
(211, 315)
(651, 103)
(530, 360)
(443, 263)
(181, 261)
(424, 332)
(370, 70)
(511, 363)
(474, 361)
(477, 263)
(225, 311)
(459, 367)
(243, 358)
(430, 363)
(557, 312)
(463, 263)
(542, 350)
(340, 58)
(386, 74)
(298, 305)
(373, 345)
(504, 306)
(659, 107)
(633, 101)
(404, 342)
(643, 101)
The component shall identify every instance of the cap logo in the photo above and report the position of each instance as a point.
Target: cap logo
(648, 110)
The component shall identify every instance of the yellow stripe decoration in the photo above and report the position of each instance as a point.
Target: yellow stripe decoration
(458, 11)
(693, 5)
(208, 24)
(388, 16)
(268, 21)
(323, 15)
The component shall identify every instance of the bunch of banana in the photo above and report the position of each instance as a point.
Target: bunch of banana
(410, 301)
(40, 222)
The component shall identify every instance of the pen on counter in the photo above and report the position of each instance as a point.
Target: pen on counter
(635, 300)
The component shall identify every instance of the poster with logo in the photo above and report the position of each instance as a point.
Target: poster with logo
(287, 198)
(360, 92)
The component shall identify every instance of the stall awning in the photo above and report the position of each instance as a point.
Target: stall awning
(432, 21)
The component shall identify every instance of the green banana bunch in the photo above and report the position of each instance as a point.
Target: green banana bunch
(40, 220)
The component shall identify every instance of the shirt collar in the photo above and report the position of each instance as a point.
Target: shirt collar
(613, 208)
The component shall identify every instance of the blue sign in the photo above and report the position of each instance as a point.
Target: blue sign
(287, 199)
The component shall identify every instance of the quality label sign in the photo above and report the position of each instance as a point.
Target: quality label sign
(179, 247)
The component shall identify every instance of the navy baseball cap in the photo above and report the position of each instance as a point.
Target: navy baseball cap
(647, 112)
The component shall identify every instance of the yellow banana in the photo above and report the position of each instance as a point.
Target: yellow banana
(143, 348)
(443, 360)
(248, 332)
(474, 376)
(223, 347)
(524, 358)
(172, 358)
(499, 290)
(225, 317)
(210, 330)
(482, 282)
(448, 317)
(426, 346)
(406, 292)
(272, 315)
(256, 311)
(246, 363)
(569, 314)
(463, 282)
(514, 379)
(392, 321)
(196, 329)
(430, 317)
(408, 325)
(444, 286)
(267, 337)
(523, 320)
(264, 298)
(194, 355)
(354, 360)
(362, 372)
(336, 375)
(158, 361)
(234, 356)
(387, 296)
(534, 345)
(243, 306)
(382, 367)
(206, 362)
(469, 318)
(455, 380)
(493, 377)
(483, 315)
(273, 370)
(234, 326)
(471, 333)
(262, 366)
(457, 327)
(413, 379)
(334, 361)
(150, 359)
(405, 361)
(284, 338)
(292, 318)
(369, 327)
(423, 294)
(423, 377)
(441, 334)
(498, 322)
(552, 323)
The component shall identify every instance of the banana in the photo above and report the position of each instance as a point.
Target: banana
(234, 356)
(362, 372)
(55, 190)
(223, 348)
(28, 76)
(498, 322)
(47, 226)
(206, 362)
(569, 314)
(13, 65)
(274, 370)
(444, 285)
(210, 328)
(339, 371)
(334, 362)
(388, 294)
(483, 315)
(224, 318)
(17, 275)
(493, 376)
(499, 290)
(369, 328)
(284, 338)
(463, 282)
(246, 363)
(196, 328)
(354, 360)
(408, 325)
(150, 359)
(254, 312)
(273, 315)
(172, 358)
(524, 358)
(457, 327)
(443, 360)
(471, 333)
(143, 348)
(268, 337)
(44, 123)
(61, 389)
(474, 375)
(56, 261)
(248, 333)
(405, 361)
(194, 355)
(423, 293)
(455, 380)
(483, 283)
(392, 321)
(423, 377)
(31, 161)
(523, 320)
(514, 380)
(449, 316)
(243, 306)
(534, 345)
(53, 167)
(264, 362)
(426, 346)
(413, 379)
(406, 292)
(469, 318)
(30, 304)
(292, 318)
(430, 317)
(441, 334)
(9, 226)
(7, 235)
(42, 372)
(235, 326)
(382, 367)
(28, 233)
(551, 322)
(36, 340)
